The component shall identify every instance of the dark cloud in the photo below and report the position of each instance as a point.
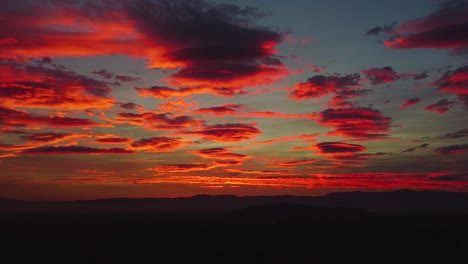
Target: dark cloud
(45, 60)
(442, 106)
(104, 73)
(387, 75)
(50, 150)
(415, 148)
(458, 134)
(410, 102)
(386, 29)
(158, 144)
(420, 76)
(228, 132)
(453, 149)
(358, 122)
(124, 78)
(129, 106)
(338, 148)
(214, 45)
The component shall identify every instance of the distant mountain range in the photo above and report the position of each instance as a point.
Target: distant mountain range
(394, 201)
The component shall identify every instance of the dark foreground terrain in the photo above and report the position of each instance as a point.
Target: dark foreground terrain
(228, 229)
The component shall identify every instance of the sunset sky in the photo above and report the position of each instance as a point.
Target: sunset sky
(147, 98)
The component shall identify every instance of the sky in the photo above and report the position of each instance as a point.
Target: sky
(156, 98)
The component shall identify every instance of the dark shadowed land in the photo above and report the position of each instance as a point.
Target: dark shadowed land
(383, 227)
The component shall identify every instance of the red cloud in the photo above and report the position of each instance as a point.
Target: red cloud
(443, 29)
(219, 153)
(410, 102)
(112, 140)
(158, 144)
(228, 132)
(359, 122)
(206, 57)
(338, 148)
(455, 82)
(10, 117)
(23, 85)
(442, 106)
(154, 121)
(453, 149)
(321, 85)
(74, 150)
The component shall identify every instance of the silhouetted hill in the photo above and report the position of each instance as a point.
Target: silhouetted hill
(395, 201)
(427, 226)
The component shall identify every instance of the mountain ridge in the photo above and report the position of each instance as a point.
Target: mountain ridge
(391, 201)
